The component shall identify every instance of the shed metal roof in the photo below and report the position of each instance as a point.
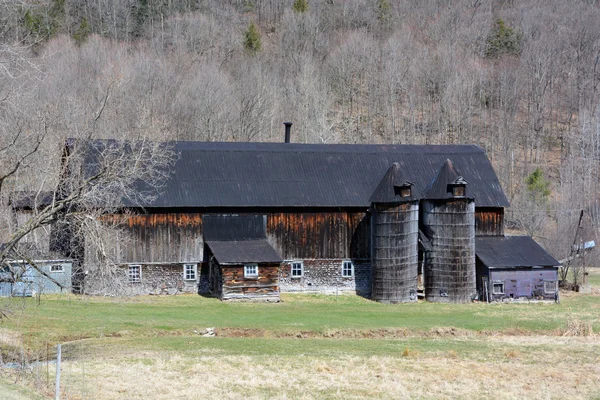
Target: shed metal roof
(244, 251)
(217, 174)
(512, 252)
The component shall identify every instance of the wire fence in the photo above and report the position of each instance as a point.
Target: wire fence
(57, 371)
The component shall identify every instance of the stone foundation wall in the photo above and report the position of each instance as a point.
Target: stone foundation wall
(155, 279)
(325, 276)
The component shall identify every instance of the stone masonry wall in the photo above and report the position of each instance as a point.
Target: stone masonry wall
(325, 276)
(163, 279)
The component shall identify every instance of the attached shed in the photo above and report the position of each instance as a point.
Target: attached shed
(515, 267)
(51, 276)
(245, 269)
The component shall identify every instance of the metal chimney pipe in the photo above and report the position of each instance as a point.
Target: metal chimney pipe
(288, 130)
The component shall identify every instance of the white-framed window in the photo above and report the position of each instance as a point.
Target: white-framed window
(498, 287)
(135, 273)
(57, 268)
(297, 269)
(347, 269)
(190, 271)
(251, 271)
(550, 287)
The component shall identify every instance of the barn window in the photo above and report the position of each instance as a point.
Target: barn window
(135, 273)
(498, 287)
(297, 269)
(190, 271)
(251, 271)
(57, 268)
(347, 269)
(550, 287)
(459, 191)
(403, 191)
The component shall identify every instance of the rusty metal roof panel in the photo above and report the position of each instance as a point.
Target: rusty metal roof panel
(512, 252)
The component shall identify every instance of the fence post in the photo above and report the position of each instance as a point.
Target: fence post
(58, 356)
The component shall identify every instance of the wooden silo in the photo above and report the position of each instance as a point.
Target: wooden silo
(448, 220)
(394, 239)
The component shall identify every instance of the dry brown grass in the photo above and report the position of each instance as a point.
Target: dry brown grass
(563, 367)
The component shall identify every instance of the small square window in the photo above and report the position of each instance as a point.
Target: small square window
(498, 287)
(135, 273)
(550, 287)
(458, 191)
(57, 268)
(190, 272)
(251, 271)
(347, 269)
(297, 269)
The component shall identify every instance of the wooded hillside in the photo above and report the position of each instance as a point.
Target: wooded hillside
(520, 79)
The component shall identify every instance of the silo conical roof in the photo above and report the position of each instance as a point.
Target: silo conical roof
(387, 190)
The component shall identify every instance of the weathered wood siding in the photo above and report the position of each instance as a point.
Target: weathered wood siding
(319, 235)
(160, 238)
(236, 286)
(489, 221)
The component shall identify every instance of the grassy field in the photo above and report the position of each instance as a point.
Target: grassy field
(308, 346)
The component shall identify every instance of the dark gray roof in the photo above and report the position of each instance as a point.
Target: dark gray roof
(213, 174)
(386, 190)
(233, 227)
(29, 200)
(511, 252)
(244, 251)
(441, 186)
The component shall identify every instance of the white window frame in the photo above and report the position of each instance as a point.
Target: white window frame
(251, 270)
(60, 268)
(194, 269)
(494, 283)
(297, 263)
(344, 263)
(555, 285)
(131, 277)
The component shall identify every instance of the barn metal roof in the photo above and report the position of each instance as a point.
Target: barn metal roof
(512, 252)
(244, 251)
(217, 174)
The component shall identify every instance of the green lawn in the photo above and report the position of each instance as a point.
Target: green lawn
(65, 318)
(320, 346)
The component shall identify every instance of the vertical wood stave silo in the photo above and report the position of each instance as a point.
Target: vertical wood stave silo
(448, 219)
(394, 239)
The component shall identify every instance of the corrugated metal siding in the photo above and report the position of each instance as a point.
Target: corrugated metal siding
(310, 175)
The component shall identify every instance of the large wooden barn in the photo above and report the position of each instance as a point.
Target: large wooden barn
(251, 220)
